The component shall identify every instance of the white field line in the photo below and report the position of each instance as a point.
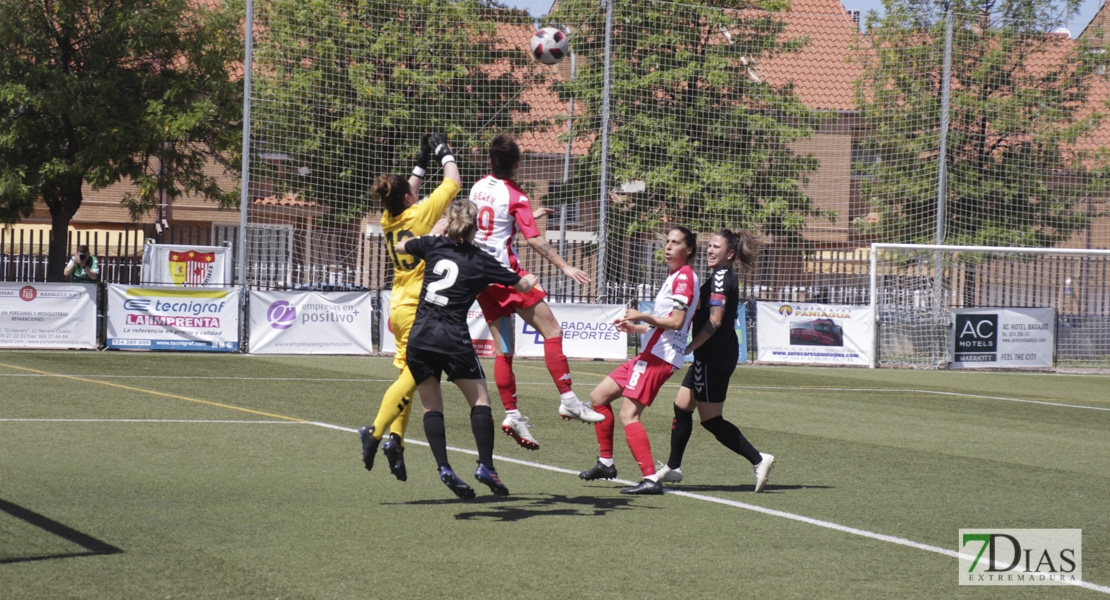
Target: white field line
(882, 537)
(544, 383)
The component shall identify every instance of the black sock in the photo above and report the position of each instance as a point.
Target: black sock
(681, 428)
(730, 436)
(437, 437)
(481, 423)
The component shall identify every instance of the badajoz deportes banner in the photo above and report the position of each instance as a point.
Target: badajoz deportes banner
(588, 332)
(204, 319)
(311, 323)
(829, 334)
(47, 315)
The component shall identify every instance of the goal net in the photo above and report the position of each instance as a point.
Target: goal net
(915, 288)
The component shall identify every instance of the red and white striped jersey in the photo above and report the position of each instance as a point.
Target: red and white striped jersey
(680, 291)
(503, 210)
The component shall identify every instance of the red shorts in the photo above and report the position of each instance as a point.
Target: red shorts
(642, 377)
(500, 301)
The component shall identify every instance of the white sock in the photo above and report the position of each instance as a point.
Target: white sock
(608, 462)
(570, 399)
(514, 413)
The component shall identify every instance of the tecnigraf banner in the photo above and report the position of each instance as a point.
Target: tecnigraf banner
(204, 319)
(47, 315)
(311, 323)
(825, 334)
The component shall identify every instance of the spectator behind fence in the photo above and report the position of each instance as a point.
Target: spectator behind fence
(83, 267)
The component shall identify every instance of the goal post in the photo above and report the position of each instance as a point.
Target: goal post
(915, 288)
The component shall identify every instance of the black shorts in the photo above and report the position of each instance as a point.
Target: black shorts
(709, 381)
(429, 363)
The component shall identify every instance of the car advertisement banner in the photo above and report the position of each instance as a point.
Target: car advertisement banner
(311, 323)
(740, 326)
(186, 265)
(204, 319)
(823, 334)
(588, 332)
(479, 331)
(993, 338)
(47, 315)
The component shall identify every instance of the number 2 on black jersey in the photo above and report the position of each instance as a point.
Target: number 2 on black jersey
(450, 272)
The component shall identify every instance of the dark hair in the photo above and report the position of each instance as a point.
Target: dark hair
(689, 237)
(83, 249)
(391, 191)
(743, 246)
(462, 214)
(504, 154)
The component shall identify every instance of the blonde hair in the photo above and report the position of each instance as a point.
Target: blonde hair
(462, 214)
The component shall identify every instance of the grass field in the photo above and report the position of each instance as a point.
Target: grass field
(133, 475)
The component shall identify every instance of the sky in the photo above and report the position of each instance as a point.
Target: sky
(1087, 10)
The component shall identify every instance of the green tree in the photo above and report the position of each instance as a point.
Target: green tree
(691, 117)
(100, 91)
(346, 88)
(1017, 160)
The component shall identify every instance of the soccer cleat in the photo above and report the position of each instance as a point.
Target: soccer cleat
(763, 469)
(645, 487)
(395, 453)
(369, 445)
(460, 487)
(518, 429)
(490, 478)
(667, 474)
(583, 412)
(599, 471)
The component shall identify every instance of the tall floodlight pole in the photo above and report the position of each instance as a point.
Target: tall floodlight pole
(604, 192)
(244, 183)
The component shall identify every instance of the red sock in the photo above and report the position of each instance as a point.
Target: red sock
(640, 446)
(604, 431)
(506, 381)
(557, 363)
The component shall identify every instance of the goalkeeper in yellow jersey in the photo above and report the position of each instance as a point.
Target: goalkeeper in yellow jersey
(403, 217)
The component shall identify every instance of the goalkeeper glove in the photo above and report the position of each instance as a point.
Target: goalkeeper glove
(442, 150)
(422, 158)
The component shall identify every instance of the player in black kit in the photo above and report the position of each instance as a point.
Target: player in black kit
(456, 272)
(716, 351)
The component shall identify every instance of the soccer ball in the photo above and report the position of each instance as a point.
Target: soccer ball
(549, 45)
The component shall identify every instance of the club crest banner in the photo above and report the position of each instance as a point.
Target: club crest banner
(186, 265)
(204, 319)
(588, 332)
(47, 315)
(480, 336)
(297, 322)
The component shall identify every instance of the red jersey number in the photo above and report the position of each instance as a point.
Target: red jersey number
(485, 221)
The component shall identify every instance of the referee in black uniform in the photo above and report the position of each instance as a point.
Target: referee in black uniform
(716, 351)
(456, 272)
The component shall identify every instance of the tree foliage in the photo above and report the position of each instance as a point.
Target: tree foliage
(346, 88)
(690, 117)
(1021, 158)
(100, 91)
